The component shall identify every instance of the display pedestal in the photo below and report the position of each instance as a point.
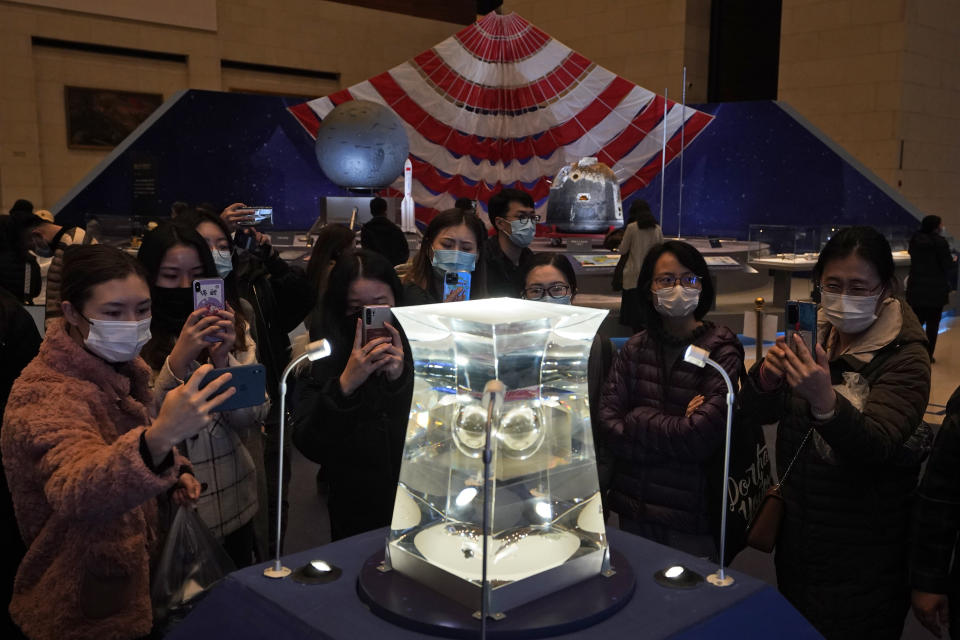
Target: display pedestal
(409, 604)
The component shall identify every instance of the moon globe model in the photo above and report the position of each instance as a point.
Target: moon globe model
(362, 145)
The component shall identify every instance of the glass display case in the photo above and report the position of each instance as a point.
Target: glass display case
(546, 521)
(784, 244)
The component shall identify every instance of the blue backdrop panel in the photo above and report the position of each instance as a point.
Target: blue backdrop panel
(761, 163)
(214, 147)
(756, 163)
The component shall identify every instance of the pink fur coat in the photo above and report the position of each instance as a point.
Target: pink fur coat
(83, 495)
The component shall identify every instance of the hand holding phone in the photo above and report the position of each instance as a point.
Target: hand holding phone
(801, 319)
(249, 382)
(365, 359)
(456, 286)
(209, 294)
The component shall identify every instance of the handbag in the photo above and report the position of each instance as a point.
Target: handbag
(617, 282)
(765, 527)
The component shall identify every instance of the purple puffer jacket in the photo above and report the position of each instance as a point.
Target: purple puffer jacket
(660, 454)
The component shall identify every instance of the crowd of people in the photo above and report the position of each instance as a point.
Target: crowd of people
(107, 430)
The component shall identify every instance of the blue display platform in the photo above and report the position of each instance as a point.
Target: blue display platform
(248, 605)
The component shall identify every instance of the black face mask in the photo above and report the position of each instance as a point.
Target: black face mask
(348, 330)
(171, 306)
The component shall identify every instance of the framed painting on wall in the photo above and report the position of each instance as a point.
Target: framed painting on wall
(102, 118)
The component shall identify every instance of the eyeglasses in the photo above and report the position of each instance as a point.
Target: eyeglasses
(528, 217)
(856, 290)
(688, 281)
(555, 291)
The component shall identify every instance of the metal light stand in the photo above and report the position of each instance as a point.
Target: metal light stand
(315, 351)
(663, 154)
(701, 357)
(683, 121)
(493, 394)
(758, 308)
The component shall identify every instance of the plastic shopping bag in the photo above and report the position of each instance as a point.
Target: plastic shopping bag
(191, 562)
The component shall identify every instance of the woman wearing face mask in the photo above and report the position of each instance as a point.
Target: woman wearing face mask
(354, 405)
(227, 455)
(85, 462)
(641, 233)
(661, 417)
(453, 241)
(549, 277)
(254, 285)
(844, 414)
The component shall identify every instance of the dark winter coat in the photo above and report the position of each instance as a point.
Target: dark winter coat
(382, 236)
(936, 520)
(356, 439)
(841, 557)
(281, 297)
(930, 261)
(660, 454)
(19, 344)
(503, 277)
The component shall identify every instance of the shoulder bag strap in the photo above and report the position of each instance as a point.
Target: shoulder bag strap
(786, 473)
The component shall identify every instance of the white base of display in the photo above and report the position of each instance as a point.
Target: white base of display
(715, 580)
(276, 574)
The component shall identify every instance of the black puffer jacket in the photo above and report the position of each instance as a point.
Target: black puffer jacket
(357, 439)
(841, 557)
(660, 454)
(281, 297)
(934, 556)
(930, 262)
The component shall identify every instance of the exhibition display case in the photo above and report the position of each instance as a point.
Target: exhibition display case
(783, 244)
(546, 527)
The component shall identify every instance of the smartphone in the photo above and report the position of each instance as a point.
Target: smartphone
(250, 381)
(374, 316)
(454, 279)
(208, 293)
(260, 215)
(801, 318)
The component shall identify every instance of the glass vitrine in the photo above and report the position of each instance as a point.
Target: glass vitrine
(784, 243)
(546, 521)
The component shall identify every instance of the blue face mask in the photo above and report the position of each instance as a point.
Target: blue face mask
(452, 260)
(561, 300)
(521, 232)
(224, 264)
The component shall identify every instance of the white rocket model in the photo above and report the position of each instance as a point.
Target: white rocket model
(407, 218)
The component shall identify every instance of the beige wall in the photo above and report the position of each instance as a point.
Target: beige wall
(841, 67)
(876, 75)
(645, 41)
(930, 120)
(34, 160)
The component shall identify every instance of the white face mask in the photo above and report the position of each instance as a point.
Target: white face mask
(117, 340)
(676, 301)
(849, 314)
